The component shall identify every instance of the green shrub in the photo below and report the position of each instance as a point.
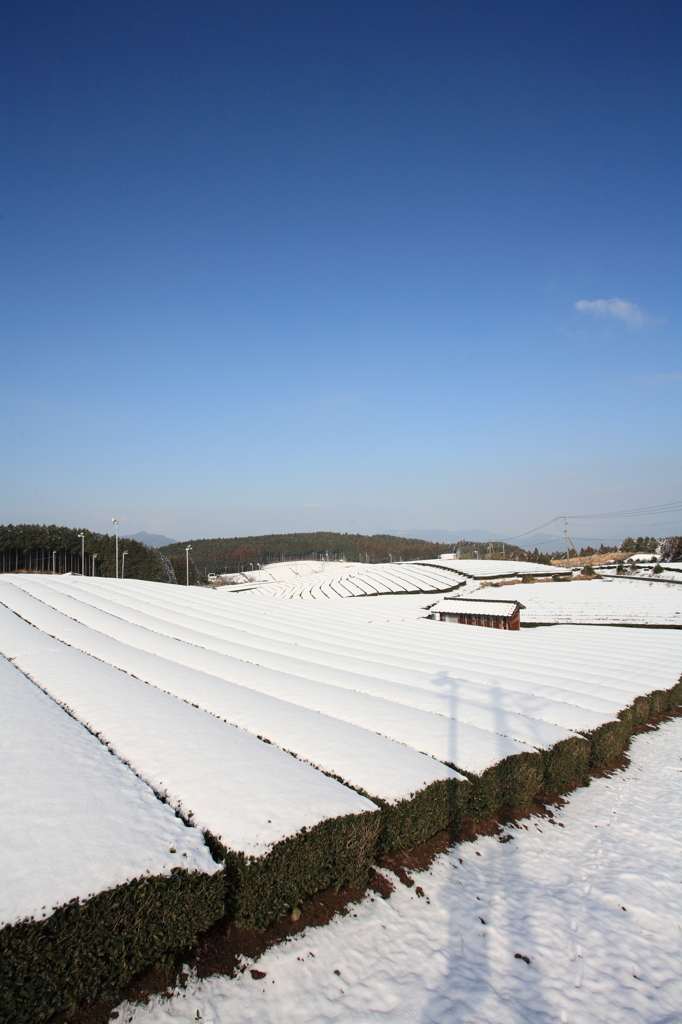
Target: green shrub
(334, 853)
(89, 950)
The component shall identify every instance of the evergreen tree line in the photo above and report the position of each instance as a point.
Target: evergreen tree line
(34, 548)
(241, 554)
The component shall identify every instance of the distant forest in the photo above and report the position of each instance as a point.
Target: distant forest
(234, 554)
(33, 548)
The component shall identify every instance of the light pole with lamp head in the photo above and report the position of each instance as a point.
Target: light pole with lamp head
(94, 564)
(54, 562)
(82, 537)
(123, 565)
(115, 522)
(187, 551)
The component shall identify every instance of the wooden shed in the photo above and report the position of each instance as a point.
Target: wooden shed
(472, 611)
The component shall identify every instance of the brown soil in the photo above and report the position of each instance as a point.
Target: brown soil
(222, 949)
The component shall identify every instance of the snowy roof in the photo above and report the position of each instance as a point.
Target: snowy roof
(475, 606)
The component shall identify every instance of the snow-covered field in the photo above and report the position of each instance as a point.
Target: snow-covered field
(619, 601)
(592, 898)
(485, 569)
(333, 580)
(433, 692)
(77, 820)
(203, 696)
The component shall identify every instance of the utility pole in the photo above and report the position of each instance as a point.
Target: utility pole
(568, 539)
(115, 522)
(82, 537)
(187, 551)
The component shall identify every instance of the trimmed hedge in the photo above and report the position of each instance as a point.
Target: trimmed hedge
(405, 824)
(334, 853)
(90, 950)
(514, 782)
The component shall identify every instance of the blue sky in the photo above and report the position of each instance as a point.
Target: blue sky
(363, 266)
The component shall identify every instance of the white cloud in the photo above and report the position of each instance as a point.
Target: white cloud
(619, 309)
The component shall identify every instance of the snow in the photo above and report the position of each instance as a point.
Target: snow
(77, 821)
(247, 793)
(469, 730)
(304, 674)
(353, 579)
(484, 568)
(619, 601)
(366, 760)
(601, 933)
(475, 606)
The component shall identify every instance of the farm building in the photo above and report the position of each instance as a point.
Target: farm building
(471, 611)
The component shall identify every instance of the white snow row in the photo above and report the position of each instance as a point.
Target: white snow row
(592, 668)
(354, 580)
(621, 601)
(76, 820)
(455, 693)
(258, 700)
(248, 794)
(483, 568)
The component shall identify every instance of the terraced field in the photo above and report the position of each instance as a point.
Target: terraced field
(292, 740)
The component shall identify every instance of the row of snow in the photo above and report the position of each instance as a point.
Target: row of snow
(613, 601)
(355, 580)
(184, 685)
(494, 568)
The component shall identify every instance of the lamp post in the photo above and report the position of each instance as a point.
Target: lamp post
(123, 565)
(54, 562)
(94, 566)
(115, 522)
(82, 537)
(187, 551)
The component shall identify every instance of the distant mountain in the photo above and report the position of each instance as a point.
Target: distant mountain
(451, 536)
(152, 540)
(544, 542)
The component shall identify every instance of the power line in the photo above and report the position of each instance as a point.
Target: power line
(673, 506)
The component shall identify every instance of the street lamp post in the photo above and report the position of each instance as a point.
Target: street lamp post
(115, 522)
(54, 562)
(123, 565)
(94, 565)
(187, 551)
(82, 537)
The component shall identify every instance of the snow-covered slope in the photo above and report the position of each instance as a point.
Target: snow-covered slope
(352, 579)
(248, 794)
(77, 821)
(576, 919)
(463, 695)
(483, 569)
(617, 602)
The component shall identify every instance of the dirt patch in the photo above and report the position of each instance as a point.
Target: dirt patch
(224, 947)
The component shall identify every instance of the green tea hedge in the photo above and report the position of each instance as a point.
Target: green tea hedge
(334, 853)
(91, 949)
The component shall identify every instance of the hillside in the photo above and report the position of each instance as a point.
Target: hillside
(226, 554)
(34, 548)
(229, 554)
